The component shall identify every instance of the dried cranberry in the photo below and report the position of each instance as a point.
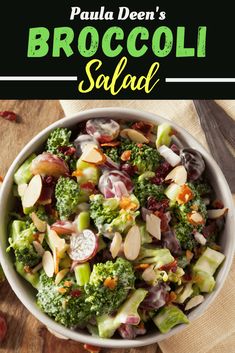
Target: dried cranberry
(128, 168)
(163, 169)
(75, 293)
(217, 204)
(154, 205)
(66, 150)
(210, 229)
(157, 180)
(164, 220)
(145, 128)
(8, 115)
(175, 148)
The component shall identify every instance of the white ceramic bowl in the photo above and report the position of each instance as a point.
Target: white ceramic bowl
(26, 293)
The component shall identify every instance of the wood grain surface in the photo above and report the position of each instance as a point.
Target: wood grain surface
(25, 333)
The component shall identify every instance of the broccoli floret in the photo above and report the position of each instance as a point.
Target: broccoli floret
(67, 194)
(144, 188)
(184, 234)
(200, 189)
(42, 214)
(21, 240)
(64, 302)
(58, 138)
(102, 297)
(144, 157)
(102, 212)
(108, 217)
(113, 153)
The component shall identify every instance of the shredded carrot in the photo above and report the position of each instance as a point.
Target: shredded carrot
(62, 290)
(91, 349)
(141, 266)
(77, 173)
(110, 282)
(126, 204)
(189, 255)
(110, 144)
(68, 283)
(126, 155)
(185, 195)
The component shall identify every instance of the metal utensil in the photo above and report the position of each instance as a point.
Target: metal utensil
(218, 126)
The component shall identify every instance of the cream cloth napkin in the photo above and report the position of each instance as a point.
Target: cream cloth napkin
(214, 331)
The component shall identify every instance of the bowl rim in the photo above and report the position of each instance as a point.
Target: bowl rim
(14, 279)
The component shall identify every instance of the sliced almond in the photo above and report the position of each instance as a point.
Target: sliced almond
(149, 274)
(132, 243)
(153, 226)
(48, 263)
(198, 299)
(33, 192)
(214, 214)
(134, 136)
(93, 155)
(37, 268)
(56, 260)
(38, 247)
(60, 275)
(200, 238)
(55, 241)
(21, 189)
(178, 175)
(39, 224)
(41, 238)
(116, 245)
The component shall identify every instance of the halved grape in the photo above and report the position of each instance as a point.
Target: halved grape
(108, 181)
(82, 141)
(103, 129)
(193, 162)
(83, 246)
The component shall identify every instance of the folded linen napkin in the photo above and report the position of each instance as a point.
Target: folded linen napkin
(214, 331)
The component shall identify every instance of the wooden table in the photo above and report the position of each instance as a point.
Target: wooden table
(26, 334)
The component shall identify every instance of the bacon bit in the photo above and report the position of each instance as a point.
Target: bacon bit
(141, 266)
(66, 150)
(139, 145)
(189, 255)
(1, 179)
(77, 173)
(8, 115)
(185, 195)
(62, 290)
(126, 155)
(143, 127)
(111, 283)
(68, 283)
(75, 293)
(169, 267)
(91, 349)
(110, 144)
(27, 269)
(218, 204)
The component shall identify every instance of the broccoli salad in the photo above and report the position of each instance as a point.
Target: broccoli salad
(116, 227)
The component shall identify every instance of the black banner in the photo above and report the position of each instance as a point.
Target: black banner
(117, 50)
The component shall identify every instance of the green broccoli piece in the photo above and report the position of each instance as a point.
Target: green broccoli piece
(23, 173)
(184, 234)
(67, 194)
(105, 299)
(103, 212)
(42, 214)
(32, 278)
(200, 189)
(59, 138)
(144, 157)
(21, 240)
(113, 153)
(144, 188)
(168, 317)
(107, 215)
(64, 302)
(107, 324)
